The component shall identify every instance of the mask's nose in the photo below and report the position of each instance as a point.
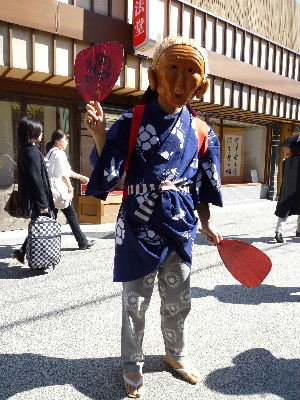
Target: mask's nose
(178, 85)
(178, 90)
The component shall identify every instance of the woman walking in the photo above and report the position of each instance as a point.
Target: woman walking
(59, 171)
(33, 183)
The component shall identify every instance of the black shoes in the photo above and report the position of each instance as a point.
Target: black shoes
(19, 255)
(278, 237)
(87, 245)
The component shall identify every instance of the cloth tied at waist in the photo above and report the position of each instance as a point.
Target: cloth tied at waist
(145, 209)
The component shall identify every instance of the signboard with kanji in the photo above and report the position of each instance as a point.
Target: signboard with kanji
(144, 30)
(233, 156)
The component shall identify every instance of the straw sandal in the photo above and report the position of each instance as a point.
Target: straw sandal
(137, 385)
(189, 374)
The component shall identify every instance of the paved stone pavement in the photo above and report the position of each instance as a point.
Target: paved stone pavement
(59, 332)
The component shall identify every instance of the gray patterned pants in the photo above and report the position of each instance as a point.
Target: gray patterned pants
(175, 293)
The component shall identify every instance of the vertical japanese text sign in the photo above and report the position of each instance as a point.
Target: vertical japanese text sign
(144, 32)
(233, 162)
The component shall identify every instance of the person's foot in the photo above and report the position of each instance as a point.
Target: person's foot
(134, 384)
(87, 245)
(297, 234)
(19, 255)
(184, 369)
(278, 237)
(41, 269)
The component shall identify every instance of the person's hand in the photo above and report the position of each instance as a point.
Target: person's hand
(213, 236)
(94, 118)
(84, 179)
(45, 211)
(71, 193)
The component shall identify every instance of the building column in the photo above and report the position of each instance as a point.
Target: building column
(272, 192)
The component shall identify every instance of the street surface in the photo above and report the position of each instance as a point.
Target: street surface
(59, 332)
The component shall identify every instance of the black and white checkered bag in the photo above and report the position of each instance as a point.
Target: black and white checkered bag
(43, 246)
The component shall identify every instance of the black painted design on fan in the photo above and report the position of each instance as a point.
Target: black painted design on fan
(98, 68)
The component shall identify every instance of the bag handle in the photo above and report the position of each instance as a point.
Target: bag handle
(53, 149)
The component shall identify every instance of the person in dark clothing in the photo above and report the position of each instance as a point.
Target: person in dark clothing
(289, 199)
(33, 182)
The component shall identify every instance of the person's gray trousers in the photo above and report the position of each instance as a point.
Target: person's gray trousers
(175, 293)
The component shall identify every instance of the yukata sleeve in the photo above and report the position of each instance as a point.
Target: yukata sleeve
(109, 167)
(208, 181)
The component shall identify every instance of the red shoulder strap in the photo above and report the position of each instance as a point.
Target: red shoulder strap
(202, 130)
(138, 112)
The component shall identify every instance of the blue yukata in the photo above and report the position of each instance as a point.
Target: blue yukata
(165, 172)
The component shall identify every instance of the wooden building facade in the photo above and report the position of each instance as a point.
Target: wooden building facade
(254, 94)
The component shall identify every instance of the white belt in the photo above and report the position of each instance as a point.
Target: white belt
(145, 209)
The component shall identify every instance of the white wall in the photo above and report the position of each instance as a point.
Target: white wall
(255, 146)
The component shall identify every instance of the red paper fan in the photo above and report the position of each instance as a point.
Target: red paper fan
(97, 69)
(245, 262)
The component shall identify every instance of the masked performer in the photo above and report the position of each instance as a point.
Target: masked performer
(171, 173)
(289, 199)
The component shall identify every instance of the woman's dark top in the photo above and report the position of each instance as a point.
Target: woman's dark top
(34, 187)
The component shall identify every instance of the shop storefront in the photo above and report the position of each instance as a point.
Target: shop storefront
(245, 157)
(54, 114)
(52, 118)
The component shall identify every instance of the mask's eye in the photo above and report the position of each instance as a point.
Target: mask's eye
(191, 70)
(174, 66)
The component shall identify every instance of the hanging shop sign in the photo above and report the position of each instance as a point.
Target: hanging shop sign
(144, 30)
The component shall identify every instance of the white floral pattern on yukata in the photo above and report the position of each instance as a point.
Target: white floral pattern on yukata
(125, 115)
(112, 172)
(120, 231)
(147, 235)
(147, 137)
